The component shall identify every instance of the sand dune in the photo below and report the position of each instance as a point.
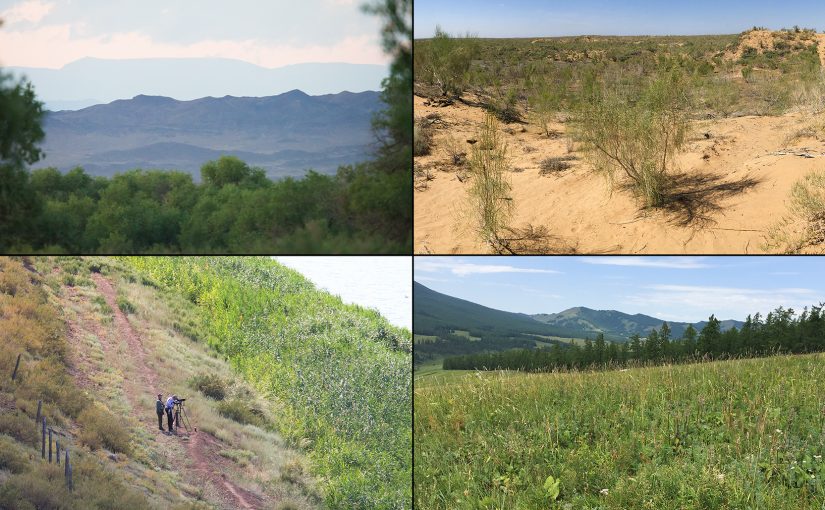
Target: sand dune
(744, 188)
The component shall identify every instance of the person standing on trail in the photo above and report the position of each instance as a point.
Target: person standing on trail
(159, 408)
(170, 403)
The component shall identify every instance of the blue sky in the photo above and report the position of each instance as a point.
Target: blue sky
(685, 289)
(532, 18)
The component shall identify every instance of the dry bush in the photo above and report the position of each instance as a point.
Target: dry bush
(456, 154)
(490, 203)
(545, 102)
(422, 138)
(100, 429)
(804, 225)
(550, 166)
(20, 427)
(637, 138)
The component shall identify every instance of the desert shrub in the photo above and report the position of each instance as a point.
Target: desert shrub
(20, 427)
(804, 225)
(49, 381)
(211, 385)
(504, 105)
(12, 458)
(240, 411)
(454, 150)
(550, 166)
(422, 138)
(637, 138)
(101, 429)
(490, 205)
(719, 95)
(69, 280)
(125, 305)
(545, 101)
(444, 61)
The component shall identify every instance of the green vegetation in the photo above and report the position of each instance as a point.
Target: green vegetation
(732, 434)
(342, 372)
(489, 194)
(781, 331)
(638, 136)
(211, 385)
(364, 208)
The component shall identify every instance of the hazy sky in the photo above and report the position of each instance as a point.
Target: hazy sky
(379, 282)
(530, 18)
(685, 289)
(272, 33)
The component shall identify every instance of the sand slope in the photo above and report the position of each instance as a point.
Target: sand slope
(746, 189)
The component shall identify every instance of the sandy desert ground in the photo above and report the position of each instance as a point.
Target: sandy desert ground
(744, 184)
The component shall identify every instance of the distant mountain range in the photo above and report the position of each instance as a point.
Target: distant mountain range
(590, 322)
(284, 134)
(435, 313)
(90, 81)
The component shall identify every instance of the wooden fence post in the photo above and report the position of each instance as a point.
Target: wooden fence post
(50, 446)
(43, 440)
(39, 405)
(71, 481)
(57, 451)
(14, 374)
(66, 472)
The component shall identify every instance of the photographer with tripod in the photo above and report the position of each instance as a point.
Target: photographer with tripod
(170, 403)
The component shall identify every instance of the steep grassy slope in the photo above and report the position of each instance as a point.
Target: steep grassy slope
(342, 372)
(97, 346)
(734, 434)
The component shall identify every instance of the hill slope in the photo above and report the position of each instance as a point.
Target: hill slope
(323, 421)
(433, 311)
(284, 134)
(96, 349)
(190, 78)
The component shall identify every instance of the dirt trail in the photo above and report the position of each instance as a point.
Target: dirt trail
(203, 448)
(820, 41)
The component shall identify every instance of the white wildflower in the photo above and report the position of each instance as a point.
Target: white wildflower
(778, 431)
(604, 492)
(720, 477)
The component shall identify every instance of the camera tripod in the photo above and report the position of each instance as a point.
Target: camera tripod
(181, 416)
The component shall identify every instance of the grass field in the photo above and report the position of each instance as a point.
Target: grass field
(734, 434)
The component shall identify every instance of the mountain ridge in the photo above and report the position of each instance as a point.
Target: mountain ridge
(106, 80)
(483, 328)
(287, 134)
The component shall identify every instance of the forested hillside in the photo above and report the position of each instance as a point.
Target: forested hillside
(780, 331)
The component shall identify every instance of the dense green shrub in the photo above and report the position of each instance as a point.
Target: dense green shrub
(240, 411)
(211, 385)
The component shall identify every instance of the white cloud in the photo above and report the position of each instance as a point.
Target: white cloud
(460, 268)
(724, 302)
(31, 11)
(53, 46)
(663, 262)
